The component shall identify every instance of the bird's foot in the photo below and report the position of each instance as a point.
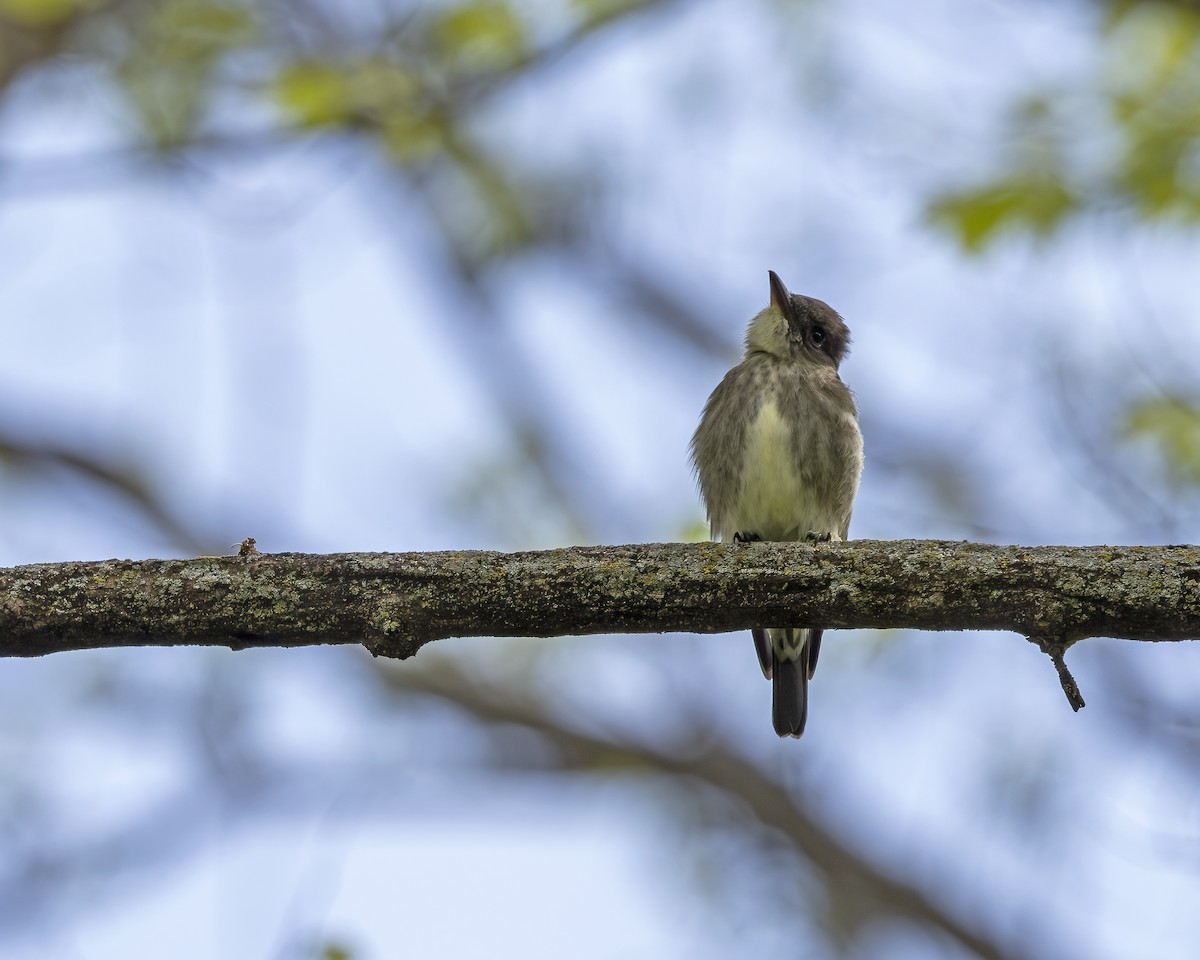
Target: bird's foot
(746, 537)
(813, 537)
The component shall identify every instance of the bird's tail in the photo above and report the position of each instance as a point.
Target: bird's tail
(793, 659)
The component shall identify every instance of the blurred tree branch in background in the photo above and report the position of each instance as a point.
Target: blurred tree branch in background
(395, 603)
(859, 890)
(38, 459)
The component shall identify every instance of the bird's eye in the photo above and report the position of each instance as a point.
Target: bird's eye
(817, 335)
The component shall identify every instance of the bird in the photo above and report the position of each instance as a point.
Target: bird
(778, 455)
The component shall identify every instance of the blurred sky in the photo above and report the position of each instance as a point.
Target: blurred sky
(274, 339)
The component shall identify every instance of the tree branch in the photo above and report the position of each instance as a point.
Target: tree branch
(395, 603)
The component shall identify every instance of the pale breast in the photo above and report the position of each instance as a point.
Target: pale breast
(775, 500)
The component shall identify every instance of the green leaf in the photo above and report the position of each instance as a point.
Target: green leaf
(375, 94)
(1152, 43)
(974, 217)
(1171, 424)
(412, 137)
(1034, 200)
(168, 72)
(212, 27)
(380, 87)
(484, 34)
(41, 13)
(312, 94)
(600, 10)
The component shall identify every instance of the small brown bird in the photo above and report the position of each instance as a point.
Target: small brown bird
(778, 454)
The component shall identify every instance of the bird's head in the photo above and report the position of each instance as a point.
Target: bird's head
(794, 327)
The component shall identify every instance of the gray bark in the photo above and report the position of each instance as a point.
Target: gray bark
(395, 603)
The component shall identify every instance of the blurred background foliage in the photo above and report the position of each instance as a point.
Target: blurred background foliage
(409, 275)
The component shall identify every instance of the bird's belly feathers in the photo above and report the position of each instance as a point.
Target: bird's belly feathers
(778, 499)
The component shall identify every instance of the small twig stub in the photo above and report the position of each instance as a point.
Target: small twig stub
(1056, 648)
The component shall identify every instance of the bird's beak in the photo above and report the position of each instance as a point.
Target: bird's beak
(781, 298)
